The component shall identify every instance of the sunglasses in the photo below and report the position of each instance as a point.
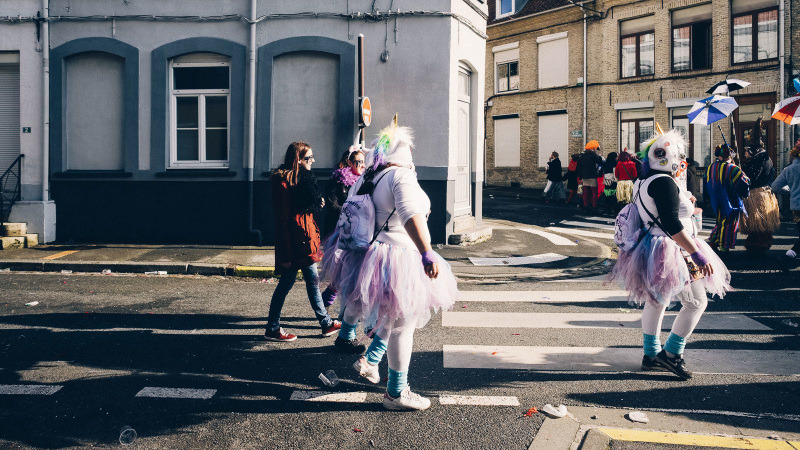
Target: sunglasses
(358, 163)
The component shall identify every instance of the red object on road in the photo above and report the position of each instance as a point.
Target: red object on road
(531, 412)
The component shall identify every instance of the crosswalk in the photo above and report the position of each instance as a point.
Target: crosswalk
(593, 227)
(521, 311)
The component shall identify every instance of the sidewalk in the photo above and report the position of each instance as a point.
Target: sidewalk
(510, 240)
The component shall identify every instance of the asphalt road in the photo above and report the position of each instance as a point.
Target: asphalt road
(105, 338)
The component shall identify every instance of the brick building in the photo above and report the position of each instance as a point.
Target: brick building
(647, 61)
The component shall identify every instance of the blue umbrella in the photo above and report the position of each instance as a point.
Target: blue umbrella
(712, 109)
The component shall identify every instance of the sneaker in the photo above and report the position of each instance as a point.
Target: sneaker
(332, 329)
(349, 346)
(650, 364)
(367, 370)
(791, 254)
(406, 401)
(279, 336)
(675, 365)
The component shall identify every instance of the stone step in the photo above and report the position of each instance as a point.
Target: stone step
(31, 240)
(17, 229)
(471, 236)
(463, 223)
(9, 242)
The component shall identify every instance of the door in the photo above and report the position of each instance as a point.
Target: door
(9, 109)
(750, 109)
(463, 184)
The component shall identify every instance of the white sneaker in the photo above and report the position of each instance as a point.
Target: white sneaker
(407, 401)
(367, 370)
(791, 254)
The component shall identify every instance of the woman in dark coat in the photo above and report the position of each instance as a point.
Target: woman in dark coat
(571, 177)
(351, 166)
(295, 198)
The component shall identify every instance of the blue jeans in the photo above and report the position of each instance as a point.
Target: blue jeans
(285, 284)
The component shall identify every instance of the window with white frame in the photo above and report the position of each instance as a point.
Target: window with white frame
(553, 60)
(504, 8)
(506, 63)
(199, 111)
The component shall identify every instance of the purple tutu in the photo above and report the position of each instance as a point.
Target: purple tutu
(656, 271)
(340, 269)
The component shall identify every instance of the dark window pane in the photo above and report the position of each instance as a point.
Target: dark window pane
(680, 49)
(701, 45)
(742, 39)
(629, 56)
(647, 54)
(216, 145)
(186, 112)
(768, 34)
(217, 112)
(201, 77)
(646, 129)
(513, 75)
(187, 145)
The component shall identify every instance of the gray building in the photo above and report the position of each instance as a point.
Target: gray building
(164, 116)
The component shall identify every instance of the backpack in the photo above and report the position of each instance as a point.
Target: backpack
(356, 224)
(629, 229)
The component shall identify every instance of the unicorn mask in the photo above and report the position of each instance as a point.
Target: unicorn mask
(393, 146)
(665, 152)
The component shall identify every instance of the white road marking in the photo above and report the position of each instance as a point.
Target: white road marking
(518, 260)
(603, 359)
(577, 232)
(478, 400)
(543, 296)
(29, 389)
(599, 219)
(728, 322)
(322, 396)
(554, 238)
(592, 279)
(162, 392)
(587, 225)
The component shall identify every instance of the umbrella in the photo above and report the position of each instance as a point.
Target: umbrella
(788, 110)
(727, 86)
(711, 109)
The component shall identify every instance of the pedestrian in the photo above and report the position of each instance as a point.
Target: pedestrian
(555, 187)
(610, 183)
(296, 198)
(393, 290)
(351, 166)
(790, 179)
(669, 263)
(694, 181)
(762, 217)
(626, 174)
(588, 170)
(727, 186)
(571, 177)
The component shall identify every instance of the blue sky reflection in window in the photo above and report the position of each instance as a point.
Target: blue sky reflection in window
(506, 7)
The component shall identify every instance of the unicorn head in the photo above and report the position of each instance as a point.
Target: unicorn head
(664, 152)
(393, 146)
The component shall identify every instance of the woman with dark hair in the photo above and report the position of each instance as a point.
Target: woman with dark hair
(351, 166)
(571, 177)
(295, 198)
(726, 185)
(610, 183)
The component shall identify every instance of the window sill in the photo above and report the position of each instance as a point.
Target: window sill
(92, 174)
(750, 64)
(651, 76)
(507, 92)
(196, 173)
(681, 73)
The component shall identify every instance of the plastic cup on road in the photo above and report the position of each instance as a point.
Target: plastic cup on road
(329, 378)
(127, 435)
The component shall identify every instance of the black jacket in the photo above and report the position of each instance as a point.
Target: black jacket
(554, 170)
(759, 169)
(588, 164)
(335, 196)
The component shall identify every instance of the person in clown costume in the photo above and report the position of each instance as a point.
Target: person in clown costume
(394, 287)
(727, 186)
(669, 263)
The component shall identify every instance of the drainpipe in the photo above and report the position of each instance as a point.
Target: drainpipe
(782, 55)
(251, 129)
(45, 101)
(584, 80)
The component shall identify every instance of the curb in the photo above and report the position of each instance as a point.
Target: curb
(171, 268)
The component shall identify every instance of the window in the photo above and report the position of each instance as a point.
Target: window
(553, 136)
(199, 112)
(755, 31)
(637, 47)
(636, 127)
(553, 60)
(506, 141)
(697, 136)
(691, 38)
(508, 76)
(504, 8)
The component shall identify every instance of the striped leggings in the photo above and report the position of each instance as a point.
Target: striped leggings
(724, 233)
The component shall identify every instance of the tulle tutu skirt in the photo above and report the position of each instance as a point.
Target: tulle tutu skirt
(763, 215)
(624, 191)
(386, 287)
(656, 271)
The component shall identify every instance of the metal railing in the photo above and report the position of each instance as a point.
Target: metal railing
(10, 188)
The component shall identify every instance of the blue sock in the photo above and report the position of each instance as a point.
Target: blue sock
(376, 350)
(675, 344)
(651, 344)
(347, 332)
(397, 382)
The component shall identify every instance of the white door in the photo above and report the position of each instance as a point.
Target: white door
(463, 185)
(9, 111)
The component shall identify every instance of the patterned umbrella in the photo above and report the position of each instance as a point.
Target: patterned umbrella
(712, 109)
(727, 86)
(788, 110)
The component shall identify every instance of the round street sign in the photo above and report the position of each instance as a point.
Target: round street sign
(366, 111)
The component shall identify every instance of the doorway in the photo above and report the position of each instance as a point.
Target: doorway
(463, 183)
(9, 109)
(750, 108)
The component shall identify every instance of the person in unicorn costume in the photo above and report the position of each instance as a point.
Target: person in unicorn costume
(669, 263)
(399, 281)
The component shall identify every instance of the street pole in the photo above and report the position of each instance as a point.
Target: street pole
(361, 125)
(45, 100)
(585, 107)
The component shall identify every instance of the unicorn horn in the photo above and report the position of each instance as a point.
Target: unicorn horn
(659, 130)
(394, 121)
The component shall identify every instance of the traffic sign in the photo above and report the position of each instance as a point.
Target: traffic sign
(366, 111)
